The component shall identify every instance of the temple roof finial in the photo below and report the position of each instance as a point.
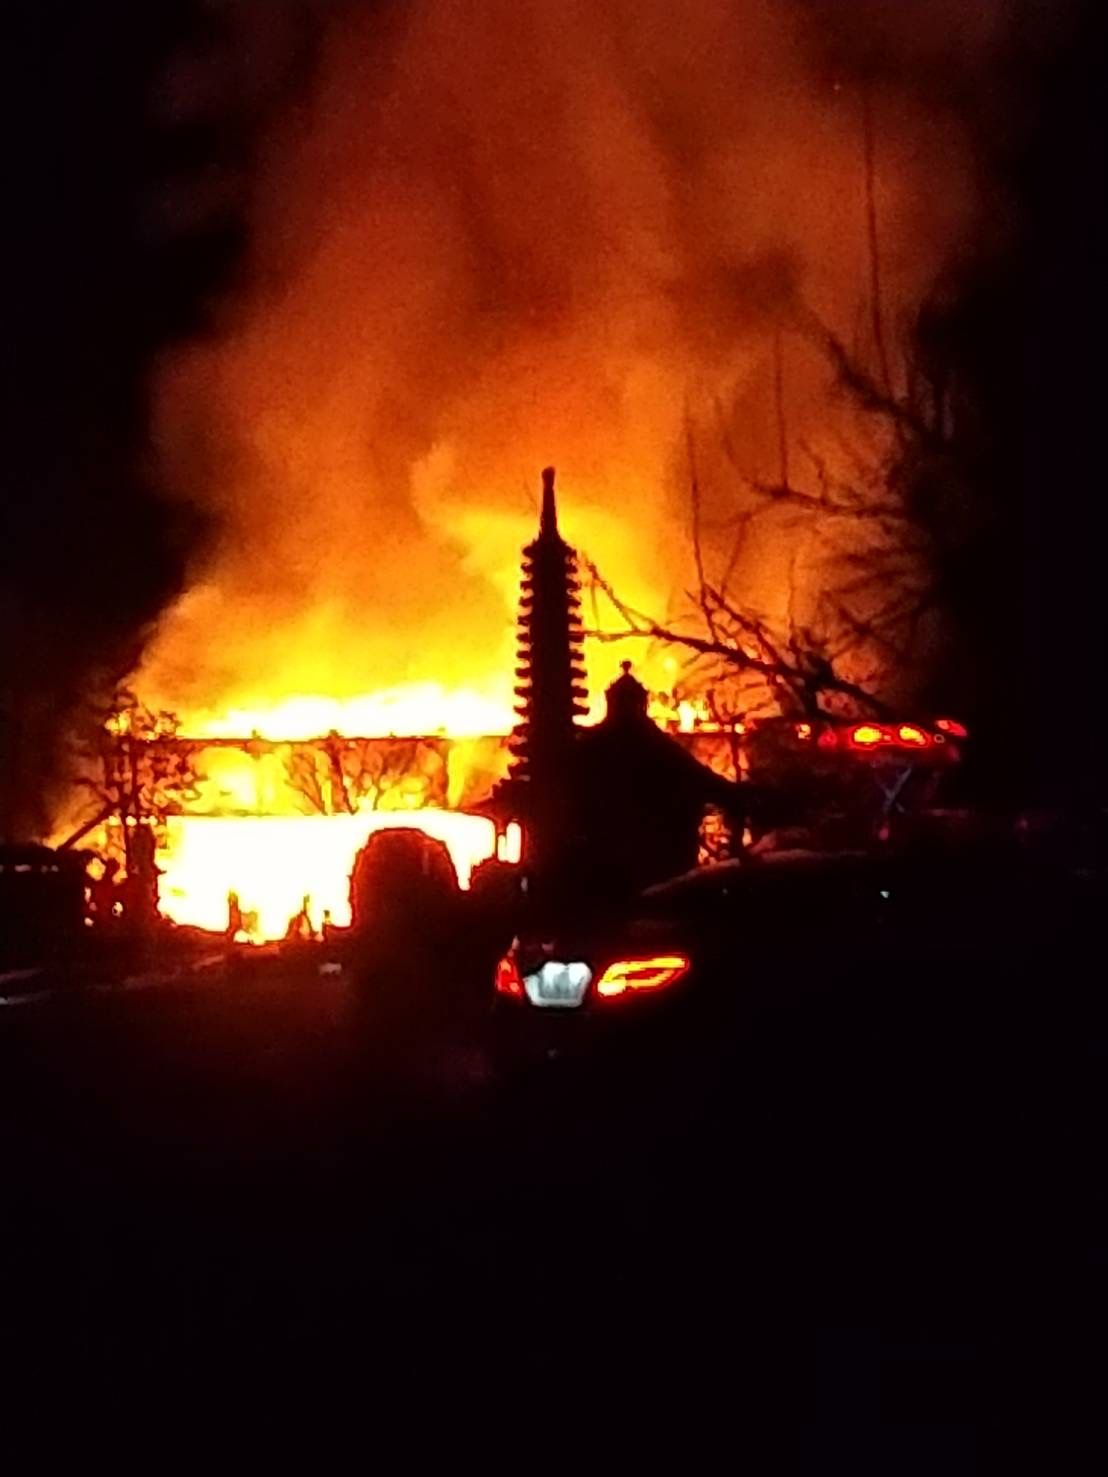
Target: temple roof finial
(548, 519)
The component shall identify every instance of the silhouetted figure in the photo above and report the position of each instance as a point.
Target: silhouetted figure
(105, 895)
(234, 916)
(640, 797)
(403, 880)
(140, 890)
(300, 928)
(406, 934)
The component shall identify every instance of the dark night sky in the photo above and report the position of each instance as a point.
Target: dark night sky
(1031, 337)
(1042, 380)
(99, 276)
(106, 263)
(93, 289)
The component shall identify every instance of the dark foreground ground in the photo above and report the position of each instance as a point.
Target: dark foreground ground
(818, 1209)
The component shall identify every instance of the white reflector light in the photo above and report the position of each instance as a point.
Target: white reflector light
(558, 984)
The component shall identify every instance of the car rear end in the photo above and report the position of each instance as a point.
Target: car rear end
(567, 992)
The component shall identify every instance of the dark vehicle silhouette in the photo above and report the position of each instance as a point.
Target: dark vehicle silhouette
(406, 935)
(42, 904)
(740, 937)
(656, 949)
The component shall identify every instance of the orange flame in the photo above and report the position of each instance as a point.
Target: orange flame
(274, 862)
(526, 233)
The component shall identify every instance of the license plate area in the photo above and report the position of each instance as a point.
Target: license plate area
(558, 986)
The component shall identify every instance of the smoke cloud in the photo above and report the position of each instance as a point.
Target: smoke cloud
(504, 233)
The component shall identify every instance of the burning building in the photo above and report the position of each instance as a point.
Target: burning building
(473, 233)
(275, 822)
(483, 231)
(278, 822)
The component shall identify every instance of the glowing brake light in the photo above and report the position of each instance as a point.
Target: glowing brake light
(913, 737)
(953, 727)
(653, 973)
(509, 981)
(866, 735)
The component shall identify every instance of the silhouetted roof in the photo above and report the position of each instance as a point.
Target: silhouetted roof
(627, 691)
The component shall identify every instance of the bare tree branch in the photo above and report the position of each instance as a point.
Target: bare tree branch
(804, 680)
(887, 523)
(877, 317)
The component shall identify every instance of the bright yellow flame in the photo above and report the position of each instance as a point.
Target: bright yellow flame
(413, 709)
(273, 862)
(509, 847)
(686, 716)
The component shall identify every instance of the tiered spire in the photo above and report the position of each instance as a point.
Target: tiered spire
(551, 677)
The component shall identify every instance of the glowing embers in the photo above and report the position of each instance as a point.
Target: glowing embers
(278, 865)
(632, 976)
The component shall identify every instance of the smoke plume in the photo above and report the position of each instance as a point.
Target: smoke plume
(503, 233)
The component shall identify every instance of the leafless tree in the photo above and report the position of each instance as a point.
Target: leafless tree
(136, 772)
(338, 775)
(894, 518)
(134, 764)
(739, 664)
(898, 511)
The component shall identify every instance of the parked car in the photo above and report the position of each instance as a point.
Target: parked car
(764, 933)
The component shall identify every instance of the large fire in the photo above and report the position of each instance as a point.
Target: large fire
(247, 832)
(282, 867)
(277, 817)
(498, 235)
(274, 803)
(414, 709)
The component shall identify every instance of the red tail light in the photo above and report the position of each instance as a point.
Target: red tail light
(867, 734)
(913, 737)
(653, 973)
(509, 981)
(952, 726)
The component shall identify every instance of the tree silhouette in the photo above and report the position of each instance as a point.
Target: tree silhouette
(902, 526)
(134, 765)
(344, 776)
